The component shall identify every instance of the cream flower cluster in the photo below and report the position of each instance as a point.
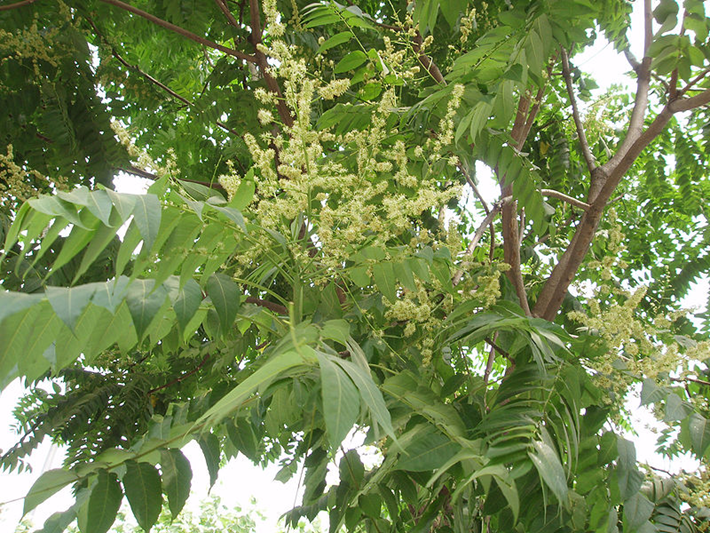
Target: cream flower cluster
(347, 204)
(18, 183)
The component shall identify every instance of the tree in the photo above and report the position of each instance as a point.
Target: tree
(213, 517)
(311, 256)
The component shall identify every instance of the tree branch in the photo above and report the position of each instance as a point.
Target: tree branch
(586, 152)
(181, 31)
(260, 59)
(693, 82)
(568, 199)
(473, 186)
(635, 128)
(150, 176)
(426, 61)
(154, 81)
(17, 4)
(553, 293)
(272, 306)
(479, 233)
(227, 13)
(511, 242)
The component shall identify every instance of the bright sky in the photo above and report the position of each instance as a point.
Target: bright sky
(240, 481)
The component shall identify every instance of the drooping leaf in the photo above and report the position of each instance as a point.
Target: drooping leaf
(383, 273)
(225, 296)
(101, 509)
(209, 444)
(370, 394)
(177, 479)
(69, 303)
(187, 302)
(550, 469)
(141, 482)
(341, 401)
(147, 213)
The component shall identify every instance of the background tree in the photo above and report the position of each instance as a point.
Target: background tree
(308, 259)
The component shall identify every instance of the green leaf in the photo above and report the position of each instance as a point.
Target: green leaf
(124, 203)
(404, 274)
(651, 393)
(14, 302)
(77, 241)
(99, 204)
(187, 302)
(147, 213)
(351, 61)
(370, 394)
(341, 401)
(337, 330)
(56, 207)
(58, 522)
(177, 479)
(232, 214)
(550, 469)
(351, 469)
(143, 491)
(225, 296)
(103, 505)
(359, 276)
(234, 399)
(383, 273)
(699, 428)
(209, 444)
(676, 409)
(144, 302)
(24, 337)
(637, 510)
(69, 303)
(48, 484)
(429, 450)
(335, 40)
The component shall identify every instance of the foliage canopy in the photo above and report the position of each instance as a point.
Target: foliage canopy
(314, 256)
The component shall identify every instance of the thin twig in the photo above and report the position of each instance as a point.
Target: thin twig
(586, 152)
(17, 4)
(479, 233)
(635, 129)
(154, 81)
(486, 209)
(272, 306)
(474, 188)
(181, 31)
(693, 82)
(568, 199)
(154, 177)
(692, 380)
(227, 13)
(511, 243)
(489, 364)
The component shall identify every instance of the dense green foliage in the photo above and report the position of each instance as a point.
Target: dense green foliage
(313, 256)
